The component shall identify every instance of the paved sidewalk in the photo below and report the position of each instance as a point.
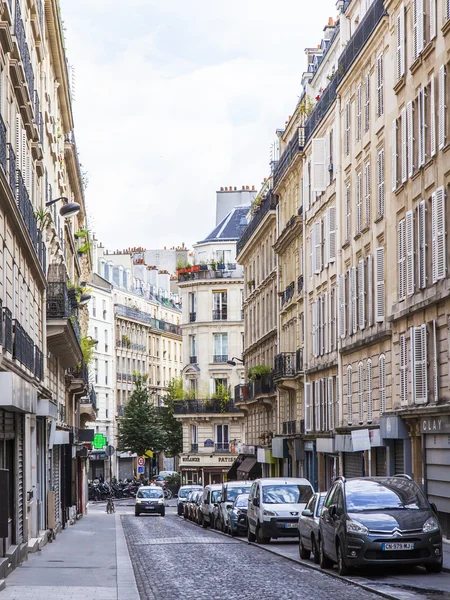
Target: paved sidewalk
(88, 561)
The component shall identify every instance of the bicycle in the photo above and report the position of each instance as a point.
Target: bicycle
(110, 508)
(167, 493)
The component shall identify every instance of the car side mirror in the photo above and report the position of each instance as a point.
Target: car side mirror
(332, 511)
(256, 501)
(306, 513)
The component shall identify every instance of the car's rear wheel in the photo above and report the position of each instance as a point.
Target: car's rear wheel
(260, 537)
(434, 567)
(180, 510)
(137, 513)
(304, 553)
(204, 523)
(251, 537)
(324, 561)
(163, 513)
(343, 568)
(315, 550)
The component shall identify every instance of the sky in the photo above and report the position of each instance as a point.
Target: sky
(174, 99)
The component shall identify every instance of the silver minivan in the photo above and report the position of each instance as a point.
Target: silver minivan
(211, 496)
(230, 490)
(274, 506)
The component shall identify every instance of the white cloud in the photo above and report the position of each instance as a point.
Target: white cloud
(177, 100)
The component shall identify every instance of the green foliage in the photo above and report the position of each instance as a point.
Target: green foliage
(126, 339)
(140, 428)
(223, 395)
(174, 479)
(306, 107)
(43, 218)
(87, 348)
(259, 372)
(173, 430)
(84, 248)
(82, 233)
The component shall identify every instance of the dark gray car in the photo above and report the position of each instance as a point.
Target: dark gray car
(308, 528)
(379, 521)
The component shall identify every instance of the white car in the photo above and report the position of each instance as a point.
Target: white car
(183, 493)
(274, 507)
(230, 491)
(211, 497)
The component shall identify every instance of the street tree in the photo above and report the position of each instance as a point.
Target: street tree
(173, 431)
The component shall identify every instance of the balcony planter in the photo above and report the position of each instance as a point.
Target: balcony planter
(203, 267)
(221, 266)
(195, 268)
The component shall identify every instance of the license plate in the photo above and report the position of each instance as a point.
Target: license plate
(397, 546)
(291, 525)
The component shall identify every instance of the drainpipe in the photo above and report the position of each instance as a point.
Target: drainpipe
(305, 311)
(278, 311)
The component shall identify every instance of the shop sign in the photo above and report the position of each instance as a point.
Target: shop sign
(375, 438)
(309, 446)
(360, 440)
(435, 425)
(206, 461)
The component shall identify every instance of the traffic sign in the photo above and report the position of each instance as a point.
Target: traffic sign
(141, 461)
(109, 450)
(140, 470)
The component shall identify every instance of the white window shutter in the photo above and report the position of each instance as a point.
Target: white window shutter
(432, 19)
(419, 366)
(323, 404)
(314, 328)
(401, 260)
(410, 129)
(318, 246)
(328, 140)
(441, 108)
(394, 155)
(332, 234)
(321, 324)
(432, 118)
(358, 112)
(330, 320)
(438, 234)
(420, 129)
(421, 244)
(23, 162)
(423, 150)
(358, 202)
(349, 395)
(404, 146)
(312, 255)
(308, 411)
(379, 277)
(420, 26)
(347, 128)
(325, 323)
(305, 187)
(348, 215)
(382, 383)
(361, 392)
(326, 239)
(403, 370)
(354, 299)
(367, 192)
(369, 290)
(330, 404)
(401, 42)
(367, 103)
(380, 182)
(409, 244)
(317, 404)
(319, 169)
(380, 85)
(415, 19)
(362, 293)
(435, 362)
(342, 326)
(369, 388)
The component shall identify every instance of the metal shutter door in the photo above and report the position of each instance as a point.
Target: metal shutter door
(380, 459)
(353, 464)
(56, 485)
(20, 478)
(399, 457)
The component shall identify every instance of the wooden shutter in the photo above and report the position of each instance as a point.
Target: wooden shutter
(367, 103)
(323, 404)
(369, 290)
(361, 293)
(320, 323)
(361, 393)
(312, 254)
(330, 395)
(359, 202)
(380, 86)
(438, 234)
(308, 411)
(317, 404)
(305, 187)
(319, 169)
(421, 127)
(326, 316)
(421, 244)
(349, 395)
(367, 192)
(410, 130)
(409, 245)
(326, 239)
(318, 246)
(347, 128)
(432, 19)
(432, 118)
(418, 29)
(348, 213)
(403, 370)
(435, 362)
(380, 181)
(314, 328)
(401, 42)
(369, 390)
(394, 155)
(332, 234)
(354, 299)
(379, 277)
(441, 107)
(382, 383)
(419, 364)
(341, 291)
(358, 112)
(401, 260)
(404, 146)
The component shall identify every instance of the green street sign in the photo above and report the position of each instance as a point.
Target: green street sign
(100, 441)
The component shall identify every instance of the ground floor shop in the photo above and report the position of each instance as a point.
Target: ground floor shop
(204, 469)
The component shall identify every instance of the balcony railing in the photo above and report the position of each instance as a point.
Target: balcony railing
(226, 273)
(252, 389)
(23, 346)
(288, 293)
(214, 406)
(131, 346)
(356, 43)
(193, 360)
(289, 427)
(299, 360)
(300, 284)
(19, 32)
(143, 317)
(219, 314)
(192, 317)
(269, 203)
(295, 145)
(80, 372)
(222, 447)
(38, 364)
(59, 305)
(194, 447)
(220, 358)
(8, 327)
(284, 365)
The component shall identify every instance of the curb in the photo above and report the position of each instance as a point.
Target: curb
(126, 581)
(308, 565)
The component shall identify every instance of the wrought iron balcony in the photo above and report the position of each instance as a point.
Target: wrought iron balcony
(194, 447)
(62, 413)
(8, 327)
(213, 406)
(295, 145)
(289, 427)
(242, 314)
(38, 364)
(209, 273)
(143, 317)
(19, 32)
(284, 365)
(269, 203)
(3, 145)
(299, 360)
(220, 358)
(23, 346)
(252, 389)
(219, 314)
(193, 360)
(222, 447)
(192, 317)
(300, 284)
(288, 293)
(80, 371)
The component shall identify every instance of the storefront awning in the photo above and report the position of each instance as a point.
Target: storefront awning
(250, 468)
(232, 471)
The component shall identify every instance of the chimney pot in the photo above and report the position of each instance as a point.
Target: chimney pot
(247, 187)
(253, 187)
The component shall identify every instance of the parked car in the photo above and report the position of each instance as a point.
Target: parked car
(187, 505)
(183, 493)
(192, 504)
(230, 490)
(211, 496)
(162, 476)
(238, 515)
(195, 506)
(149, 498)
(379, 520)
(274, 507)
(308, 527)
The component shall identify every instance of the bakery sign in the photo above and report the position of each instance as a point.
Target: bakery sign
(208, 460)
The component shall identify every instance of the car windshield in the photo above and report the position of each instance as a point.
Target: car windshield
(184, 493)
(215, 496)
(286, 494)
(241, 500)
(150, 493)
(233, 492)
(386, 494)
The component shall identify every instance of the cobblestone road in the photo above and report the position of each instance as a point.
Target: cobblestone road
(176, 560)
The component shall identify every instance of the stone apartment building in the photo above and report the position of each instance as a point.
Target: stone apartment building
(45, 388)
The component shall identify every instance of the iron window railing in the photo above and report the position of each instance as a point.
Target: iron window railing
(219, 314)
(38, 363)
(19, 32)
(222, 447)
(269, 203)
(289, 427)
(220, 358)
(193, 360)
(8, 327)
(80, 371)
(288, 293)
(142, 317)
(284, 364)
(299, 360)
(294, 146)
(192, 317)
(300, 284)
(213, 406)
(194, 447)
(23, 346)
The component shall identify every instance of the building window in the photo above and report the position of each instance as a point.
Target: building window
(369, 391)
(194, 438)
(382, 383)
(220, 347)
(222, 438)
(106, 340)
(220, 306)
(106, 372)
(349, 395)
(104, 310)
(193, 349)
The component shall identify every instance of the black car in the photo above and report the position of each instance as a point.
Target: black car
(150, 499)
(379, 521)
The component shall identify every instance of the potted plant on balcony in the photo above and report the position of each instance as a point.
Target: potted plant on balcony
(251, 283)
(203, 266)
(221, 265)
(213, 265)
(222, 394)
(259, 372)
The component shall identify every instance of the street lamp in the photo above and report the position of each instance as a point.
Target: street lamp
(232, 362)
(69, 209)
(84, 299)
